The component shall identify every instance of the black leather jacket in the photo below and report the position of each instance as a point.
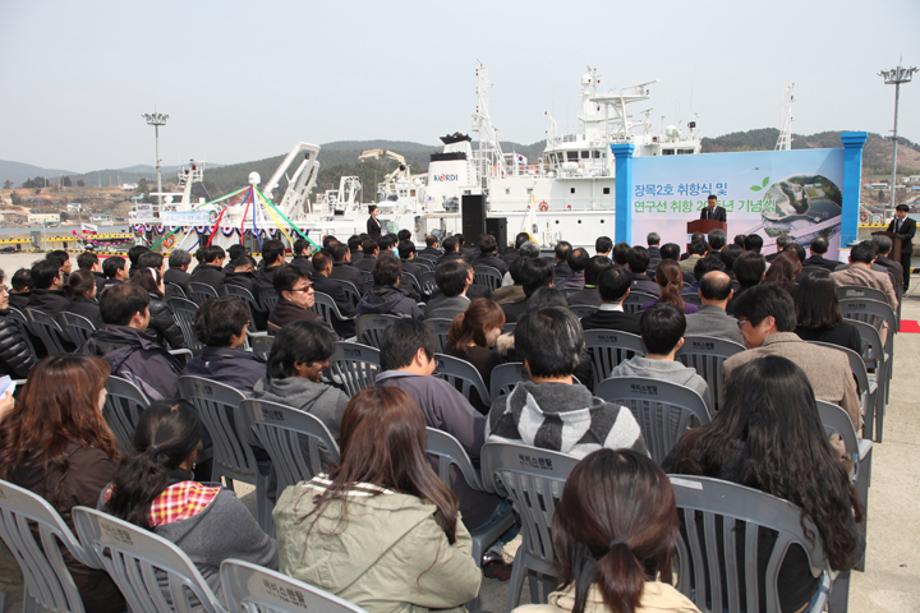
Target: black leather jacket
(16, 356)
(164, 323)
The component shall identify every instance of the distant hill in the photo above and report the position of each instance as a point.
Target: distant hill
(17, 172)
(876, 154)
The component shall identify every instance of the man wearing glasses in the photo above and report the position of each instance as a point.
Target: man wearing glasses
(295, 298)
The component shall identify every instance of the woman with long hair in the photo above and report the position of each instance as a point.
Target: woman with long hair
(817, 310)
(82, 288)
(768, 435)
(293, 375)
(148, 274)
(154, 488)
(473, 335)
(670, 279)
(784, 271)
(381, 529)
(614, 538)
(56, 443)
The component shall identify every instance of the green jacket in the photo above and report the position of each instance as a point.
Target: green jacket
(388, 555)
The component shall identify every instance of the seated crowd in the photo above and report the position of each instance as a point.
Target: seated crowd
(380, 528)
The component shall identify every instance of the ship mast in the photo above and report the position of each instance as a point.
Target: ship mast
(784, 142)
(490, 159)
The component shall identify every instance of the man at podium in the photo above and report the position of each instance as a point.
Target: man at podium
(713, 210)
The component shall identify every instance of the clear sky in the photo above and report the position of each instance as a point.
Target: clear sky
(246, 80)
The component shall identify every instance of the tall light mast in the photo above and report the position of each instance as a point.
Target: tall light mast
(156, 120)
(784, 142)
(895, 77)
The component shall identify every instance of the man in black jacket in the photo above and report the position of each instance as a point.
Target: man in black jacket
(488, 254)
(342, 269)
(295, 298)
(906, 228)
(432, 247)
(614, 289)
(131, 350)
(712, 210)
(818, 248)
(16, 357)
(371, 249)
(301, 257)
(210, 267)
(590, 294)
(48, 288)
(322, 282)
(883, 262)
(272, 261)
(177, 273)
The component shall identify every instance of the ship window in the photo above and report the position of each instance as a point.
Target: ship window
(571, 156)
(596, 154)
(529, 190)
(507, 191)
(412, 193)
(585, 155)
(667, 152)
(571, 190)
(685, 151)
(606, 191)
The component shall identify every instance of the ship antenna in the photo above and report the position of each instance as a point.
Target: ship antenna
(784, 142)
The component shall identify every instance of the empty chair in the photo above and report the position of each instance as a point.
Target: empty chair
(218, 406)
(581, 310)
(124, 403)
(505, 377)
(706, 355)
(664, 410)
(298, 443)
(463, 376)
(718, 516)
(328, 310)
(77, 328)
(184, 311)
(836, 421)
(488, 277)
(440, 328)
(532, 479)
(355, 366)
(607, 348)
(256, 589)
(49, 585)
(370, 328)
(450, 457)
(636, 300)
(48, 330)
(152, 573)
(201, 291)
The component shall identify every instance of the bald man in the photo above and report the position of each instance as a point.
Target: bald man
(711, 320)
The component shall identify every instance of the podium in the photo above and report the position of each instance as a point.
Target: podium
(895, 244)
(706, 226)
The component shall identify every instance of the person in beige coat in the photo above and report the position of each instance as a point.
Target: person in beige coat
(381, 530)
(766, 317)
(859, 272)
(614, 536)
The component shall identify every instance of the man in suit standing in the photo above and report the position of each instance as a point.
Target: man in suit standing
(373, 224)
(905, 227)
(713, 210)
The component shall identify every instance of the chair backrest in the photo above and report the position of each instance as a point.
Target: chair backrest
(533, 479)
(505, 377)
(692, 298)
(409, 281)
(184, 311)
(440, 327)
(174, 290)
(428, 282)
(706, 355)
(448, 452)
(298, 443)
(351, 291)
(721, 523)
(151, 572)
(355, 365)
(860, 292)
(47, 579)
(256, 589)
(581, 310)
(607, 348)
(267, 300)
(508, 327)
(636, 300)
(77, 327)
(261, 345)
(18, 315)
(663, 409)
(46, 328)
(232, 289)
(487, 276)
(327, 309)
(462, 375)
(21, 320)
(857, 364)
(199, 292)
(872, 350)
(218, 406)
(836, 421)
(370, 328)
(871, 312)
(124, 403)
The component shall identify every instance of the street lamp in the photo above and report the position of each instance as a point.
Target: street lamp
(895, 77)
(156, 120)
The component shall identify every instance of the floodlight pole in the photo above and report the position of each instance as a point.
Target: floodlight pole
(895, 77)
(156, 120)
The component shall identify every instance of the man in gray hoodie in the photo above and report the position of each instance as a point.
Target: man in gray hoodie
(662, 328)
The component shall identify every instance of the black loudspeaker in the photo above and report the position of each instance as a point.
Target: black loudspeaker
(474, 218)
(498, 227)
